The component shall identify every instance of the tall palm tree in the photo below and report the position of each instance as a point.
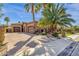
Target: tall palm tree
(1, 14)
(1, 28)
(33, 8)
(44, 5)
(56, 17)
(7, 20)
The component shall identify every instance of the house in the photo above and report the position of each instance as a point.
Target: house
(30, 27)
(17, 27)
(8, 29)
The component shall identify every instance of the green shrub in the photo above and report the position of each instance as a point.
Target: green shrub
(55, 34)
(43, 33)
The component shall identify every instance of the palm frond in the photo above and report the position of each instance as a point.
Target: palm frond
(27, 7)
(38, 7)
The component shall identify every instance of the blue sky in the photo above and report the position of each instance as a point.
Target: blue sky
(17, 13)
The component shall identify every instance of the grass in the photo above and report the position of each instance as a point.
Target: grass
(68, 34)
(78, 33)
(77, 39)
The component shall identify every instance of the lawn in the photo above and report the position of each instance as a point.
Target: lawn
(77, 39)
(68, 34)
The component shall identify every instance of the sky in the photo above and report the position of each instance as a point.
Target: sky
(17, 13)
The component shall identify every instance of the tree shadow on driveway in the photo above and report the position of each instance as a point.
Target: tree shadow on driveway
(18, 46)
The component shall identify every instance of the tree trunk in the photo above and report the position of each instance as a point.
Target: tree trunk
(62, 32)
(54, 28)
(33, 11)
(7, 23)
(44, 5)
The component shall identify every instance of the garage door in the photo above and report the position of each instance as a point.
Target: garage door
(16, 29)
(8, 30)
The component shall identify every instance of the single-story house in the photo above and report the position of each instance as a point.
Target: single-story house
(23, 27)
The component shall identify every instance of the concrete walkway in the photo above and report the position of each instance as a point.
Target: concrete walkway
(68, 51)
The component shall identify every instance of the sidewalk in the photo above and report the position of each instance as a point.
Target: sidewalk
(74, 37)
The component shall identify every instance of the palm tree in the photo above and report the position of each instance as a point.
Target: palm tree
(33, 8)
(44, 5)
(1, 14)
(1, 28)
(56, 17)
(7, 20)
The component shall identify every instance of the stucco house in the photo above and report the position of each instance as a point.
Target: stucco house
(23, 27)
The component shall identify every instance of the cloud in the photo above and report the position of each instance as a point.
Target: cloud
(16, 12)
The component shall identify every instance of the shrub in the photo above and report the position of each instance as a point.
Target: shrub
(1, 36)
(43, 33)
(55, 34)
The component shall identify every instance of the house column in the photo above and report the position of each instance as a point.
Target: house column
(20, 29)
